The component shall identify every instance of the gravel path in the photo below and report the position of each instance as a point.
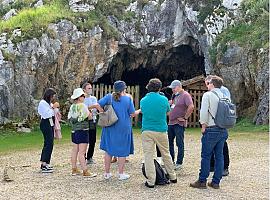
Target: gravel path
(248, 179)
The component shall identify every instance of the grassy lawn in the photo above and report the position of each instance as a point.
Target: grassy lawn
(12, 141)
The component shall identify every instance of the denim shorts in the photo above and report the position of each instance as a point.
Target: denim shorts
(80, 136)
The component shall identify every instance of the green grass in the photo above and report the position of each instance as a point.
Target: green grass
(11, 141)
(34, 21)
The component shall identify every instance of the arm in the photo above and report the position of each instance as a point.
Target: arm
(204, 112)
(96, 106)
(137, 112)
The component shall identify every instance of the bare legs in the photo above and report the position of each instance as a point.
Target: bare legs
(78, 151)
(107, 162)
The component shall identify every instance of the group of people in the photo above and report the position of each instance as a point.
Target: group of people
(157, 132)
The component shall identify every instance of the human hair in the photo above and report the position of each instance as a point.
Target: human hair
(48, 94)
(85, 84)
(154, 85)
(208, 78)
(116, 96)
(217, 81)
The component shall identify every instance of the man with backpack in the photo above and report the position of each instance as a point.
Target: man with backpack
(225, 172)
(213, 136)
(154, 108)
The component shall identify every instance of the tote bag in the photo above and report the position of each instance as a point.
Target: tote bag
(108, 117)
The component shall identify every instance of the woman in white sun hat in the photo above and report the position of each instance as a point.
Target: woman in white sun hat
(78, 116)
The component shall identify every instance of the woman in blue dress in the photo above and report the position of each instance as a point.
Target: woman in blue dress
(117, 139)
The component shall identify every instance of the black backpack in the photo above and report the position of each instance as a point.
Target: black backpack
(161, 177)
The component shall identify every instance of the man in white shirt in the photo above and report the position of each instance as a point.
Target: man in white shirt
(213, 137)
(90, 101)
(225, 91)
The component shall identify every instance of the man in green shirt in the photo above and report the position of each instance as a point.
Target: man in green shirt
(154, 108)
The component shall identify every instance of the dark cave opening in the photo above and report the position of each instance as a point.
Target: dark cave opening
(136, 67)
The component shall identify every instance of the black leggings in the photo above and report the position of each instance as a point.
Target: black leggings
(92, 139)
(48, 135)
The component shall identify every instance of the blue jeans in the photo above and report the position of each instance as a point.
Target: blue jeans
(212, 142)
(178, 132)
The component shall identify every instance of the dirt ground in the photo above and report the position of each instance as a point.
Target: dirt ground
(248, 178)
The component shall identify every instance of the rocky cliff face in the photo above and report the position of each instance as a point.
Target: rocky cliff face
(160, 33)
(246, 73)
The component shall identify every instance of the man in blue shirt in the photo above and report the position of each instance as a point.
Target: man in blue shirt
(154, 108)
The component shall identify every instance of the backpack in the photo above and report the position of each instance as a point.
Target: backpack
(161, 177)
(226, 113)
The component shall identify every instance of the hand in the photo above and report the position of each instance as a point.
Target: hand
(203, 130)
(137, 112)
(181, 119)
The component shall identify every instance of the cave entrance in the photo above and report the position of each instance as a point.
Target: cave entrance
(136, 67)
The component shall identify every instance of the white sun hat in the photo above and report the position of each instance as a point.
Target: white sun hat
(77, 93)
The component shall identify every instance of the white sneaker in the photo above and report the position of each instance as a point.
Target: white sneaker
(123, 176)
(90, 161)
(177, 166)
(107, 176)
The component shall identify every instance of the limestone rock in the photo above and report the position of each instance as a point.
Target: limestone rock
(9, 14)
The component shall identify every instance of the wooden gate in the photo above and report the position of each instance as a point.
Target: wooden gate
(100, 90)
(193, 120)
(196, 88)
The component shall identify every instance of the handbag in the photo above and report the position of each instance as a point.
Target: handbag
(108, 117)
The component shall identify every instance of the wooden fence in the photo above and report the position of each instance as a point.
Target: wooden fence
(193, 120)
(100, 90)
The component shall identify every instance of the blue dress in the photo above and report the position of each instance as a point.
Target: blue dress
(117, 140)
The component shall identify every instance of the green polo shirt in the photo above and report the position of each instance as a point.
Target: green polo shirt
(154, 108)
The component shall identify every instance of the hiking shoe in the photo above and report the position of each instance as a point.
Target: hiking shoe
(107, 176)
(123, 176)
(149, 186)
(213, 185)
(198, 184)
(173, 181)
(46, 169)
(177, 167)
(75, 172)
(86, 173)
(90, 161)
(225, 172)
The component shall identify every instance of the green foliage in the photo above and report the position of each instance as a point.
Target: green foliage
(8, 56)
(213, 54)
(18, 5)
(246, 125)
(207, 8)
(252, 31)
(142, 3)
(113, 7)
(33, 22)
